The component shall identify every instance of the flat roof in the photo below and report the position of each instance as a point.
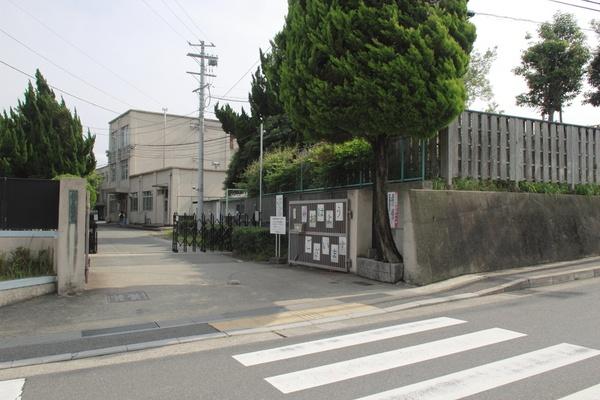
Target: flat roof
(160, 114)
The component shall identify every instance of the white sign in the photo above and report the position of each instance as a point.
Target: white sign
(325, 246)
(329, 219)
(279, 205)
(339, 211)
(308, 244)
(277, 225)
(304, 214)
(334, 253)
(312, 219)
(392, 204)
(320, 212)
(317, 252)
(294, 213)
(342, 243)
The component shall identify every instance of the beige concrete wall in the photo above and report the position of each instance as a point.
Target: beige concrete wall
(7, 244)
(12, 296)
(360, 234)
(69, 254)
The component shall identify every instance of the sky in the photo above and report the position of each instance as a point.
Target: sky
(118, 55)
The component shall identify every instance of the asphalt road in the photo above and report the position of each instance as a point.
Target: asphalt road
(542, 344)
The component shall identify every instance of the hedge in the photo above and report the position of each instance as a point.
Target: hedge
(254, 243)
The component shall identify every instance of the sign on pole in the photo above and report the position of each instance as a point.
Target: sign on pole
(277, 225)
(279, 205)
(392, 198)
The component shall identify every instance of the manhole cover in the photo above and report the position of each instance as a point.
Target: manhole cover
(126, 297)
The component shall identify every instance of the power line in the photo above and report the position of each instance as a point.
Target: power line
(517, 19)
(574, 5)
(64, 69)
(242, 77)
(230, 99)
(164, 20)
(191, 19)
(84, 52)
(179, 19)
(590, 1)
(60, 90)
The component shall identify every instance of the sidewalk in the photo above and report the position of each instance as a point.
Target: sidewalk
(142, 296)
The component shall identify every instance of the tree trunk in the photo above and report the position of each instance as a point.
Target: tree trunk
(382, 233)
(560, 115)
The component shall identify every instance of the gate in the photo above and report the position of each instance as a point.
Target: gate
(215, 233)
(318, 234)
(93, 236)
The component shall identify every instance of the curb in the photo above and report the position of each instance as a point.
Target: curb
(519, 284)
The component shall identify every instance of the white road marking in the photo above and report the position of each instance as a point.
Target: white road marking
(591, 393)
(11, 390)
(338, 342)
(488, 376)
(312, 377)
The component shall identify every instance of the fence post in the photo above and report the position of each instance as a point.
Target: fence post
(175, 238)
(448, 151)
(516, 150)
(571, 157)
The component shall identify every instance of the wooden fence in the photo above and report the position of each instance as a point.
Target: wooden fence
(499, 147)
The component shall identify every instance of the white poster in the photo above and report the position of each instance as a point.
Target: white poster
(329, 219)
(317, 252)
(334, 253)
(293, 213)
(342, 243)
(325, 246)
(320, 212)
(339, 211)
(308, 244)
(304, 214)
(312, 219)
(392, 204)
(279, 205)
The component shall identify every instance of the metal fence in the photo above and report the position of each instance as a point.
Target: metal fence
(498, 147)
(215, 232)
(29, 204)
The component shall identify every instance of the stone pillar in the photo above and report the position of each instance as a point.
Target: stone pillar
(69, 253)
(360, 226)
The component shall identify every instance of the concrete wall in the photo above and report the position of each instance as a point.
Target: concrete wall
(451, 233)
(10, 240)
(70, 250)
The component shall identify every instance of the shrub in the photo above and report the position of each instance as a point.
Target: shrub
(254, 243)
(21, 263)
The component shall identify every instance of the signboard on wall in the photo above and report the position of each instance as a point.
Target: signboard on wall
(277, 225)
(392, 203)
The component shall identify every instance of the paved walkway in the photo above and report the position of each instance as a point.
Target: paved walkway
(135, 278)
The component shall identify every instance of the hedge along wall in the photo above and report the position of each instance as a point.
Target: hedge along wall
(451, 233)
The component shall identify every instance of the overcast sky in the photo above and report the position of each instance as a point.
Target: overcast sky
(132, 53)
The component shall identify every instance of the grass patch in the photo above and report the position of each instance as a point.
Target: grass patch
(22, 263)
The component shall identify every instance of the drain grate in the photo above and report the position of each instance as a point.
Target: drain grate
(127, 297)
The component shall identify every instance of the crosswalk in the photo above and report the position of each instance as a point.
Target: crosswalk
(456, 385)
(12, 389)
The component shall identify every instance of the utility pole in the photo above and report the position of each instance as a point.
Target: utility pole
(212, 62)
(260, 180)
(165, 109)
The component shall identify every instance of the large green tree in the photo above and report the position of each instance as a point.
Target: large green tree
(554, 66)
(40, 138)
(374, 69)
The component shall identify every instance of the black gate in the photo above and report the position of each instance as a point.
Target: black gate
(93, 236)
(215, 233)
(28, 204)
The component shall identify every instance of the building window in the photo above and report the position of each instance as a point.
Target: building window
(147, 200)
(113, 172)
(124, 136)
(113, 141)
(124, 169)
(133, 204)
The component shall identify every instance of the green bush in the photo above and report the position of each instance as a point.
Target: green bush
(587, 189)
(21, 263)
(254, 243)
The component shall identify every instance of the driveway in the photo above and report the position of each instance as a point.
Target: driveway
(135, 279)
